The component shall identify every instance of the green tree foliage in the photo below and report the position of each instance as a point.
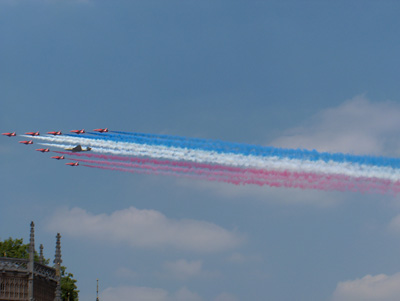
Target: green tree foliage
(69, 291)
(15, 248)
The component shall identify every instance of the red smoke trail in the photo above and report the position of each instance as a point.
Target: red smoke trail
(257, 176)
(334, 181)
(155, 172)
(164, 168)
(271, 183)
(258, 172)
(261, 178)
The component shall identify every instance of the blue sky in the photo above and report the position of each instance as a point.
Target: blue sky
(311, 74)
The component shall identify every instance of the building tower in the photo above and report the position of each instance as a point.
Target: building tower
(29, 280)
(31, 263)
(57, 266)
(41, 257)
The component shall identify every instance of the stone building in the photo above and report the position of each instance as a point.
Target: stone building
(29, 280)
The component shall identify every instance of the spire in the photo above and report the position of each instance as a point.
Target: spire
(57, 259)
(41, 258)
(32, 242)
(31, 261)
(57, 265)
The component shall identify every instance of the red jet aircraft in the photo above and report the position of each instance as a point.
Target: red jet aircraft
(78, 131)
(101, 130)
(55, 133)
(26, 142)
(9, 134)
(72, 164)
(58, 157)
(43, 150)
(33, 133)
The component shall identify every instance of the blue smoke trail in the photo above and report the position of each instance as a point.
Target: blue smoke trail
(243, 149)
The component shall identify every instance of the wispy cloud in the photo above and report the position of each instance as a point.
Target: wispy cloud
(356, 126)
(144, 228)
(380, 287)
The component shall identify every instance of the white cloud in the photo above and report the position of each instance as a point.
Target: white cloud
(144, 228)
(129, 293)
(357, 126)
(183, 268)
(380, 287)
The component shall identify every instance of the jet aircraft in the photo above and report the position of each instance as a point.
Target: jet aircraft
(9, 134)
(72, 164)
(26, 142)
(58, 157)
(78, 148)
(78, 131)
(55, 133)
(101, 130)
(33, 133)
(43, 150)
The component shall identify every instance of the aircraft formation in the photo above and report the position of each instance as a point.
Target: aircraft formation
(75, 149)
(219, 161)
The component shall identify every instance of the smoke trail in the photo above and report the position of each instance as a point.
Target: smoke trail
(344, 186)
(190, 165)
(261, 178)
(331, 181)
(155, 172)
(235, 163)
(245, 149)
(199, 156)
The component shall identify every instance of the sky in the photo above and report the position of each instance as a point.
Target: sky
(299, 74)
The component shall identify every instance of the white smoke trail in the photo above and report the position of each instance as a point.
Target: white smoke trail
(236, 160)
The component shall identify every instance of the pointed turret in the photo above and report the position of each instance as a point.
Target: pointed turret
(41, 258)
(57, 266)
(31, 261)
